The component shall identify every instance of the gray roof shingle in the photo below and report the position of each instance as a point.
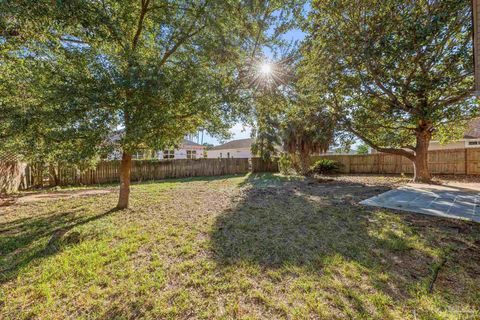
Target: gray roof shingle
(187, 142)
(235, 144)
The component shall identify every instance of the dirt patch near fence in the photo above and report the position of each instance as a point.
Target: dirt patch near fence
(47, 196)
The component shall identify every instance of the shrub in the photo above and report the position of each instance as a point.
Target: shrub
(325, 166)
(284, 164)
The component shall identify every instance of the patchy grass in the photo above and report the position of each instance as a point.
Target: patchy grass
(248, 247)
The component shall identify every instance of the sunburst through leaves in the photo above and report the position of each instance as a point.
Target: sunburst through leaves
(264, 74)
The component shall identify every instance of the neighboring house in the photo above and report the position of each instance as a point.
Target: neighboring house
(241, 148)
(471, 139)
(186, 150)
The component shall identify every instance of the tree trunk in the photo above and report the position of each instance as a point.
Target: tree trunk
(420, 162)
(125, 169)
(53, 174)
(304, 163)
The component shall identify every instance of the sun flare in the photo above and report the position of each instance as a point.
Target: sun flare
(263, 73)
(266, 68)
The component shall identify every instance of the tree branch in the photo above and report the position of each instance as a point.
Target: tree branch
(401, 152)
(453, 100)
(182, 40)
(141, 18)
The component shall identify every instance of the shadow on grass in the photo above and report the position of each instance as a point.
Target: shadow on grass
(283, 221)
(25, 240)
(291, 224)
(268, 179)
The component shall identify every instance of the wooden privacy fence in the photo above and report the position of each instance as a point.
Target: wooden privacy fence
(453, 161)
(16, 175)
(260, 165)
(108, 171)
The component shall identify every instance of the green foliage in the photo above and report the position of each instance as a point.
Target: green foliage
(285, 164)
(362, 149)
(392, 68)
(307, 130)
(266, 138)
(325, 166)
(73, 73)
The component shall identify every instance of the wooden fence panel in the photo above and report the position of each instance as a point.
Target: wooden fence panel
(108, 171)
(260, 165)
(472, 165)
(447, 161)
(453, 161)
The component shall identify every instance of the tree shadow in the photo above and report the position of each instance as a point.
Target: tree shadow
(289, 223)
(268, 179)
(24, 240)
(308, 224)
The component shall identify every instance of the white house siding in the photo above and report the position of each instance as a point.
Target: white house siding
(182, 153)
(240, 153)
(461, 144)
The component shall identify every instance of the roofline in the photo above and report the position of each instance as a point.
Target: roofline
(222, 146)
(213, 149)
(191, 143)
(458, 140)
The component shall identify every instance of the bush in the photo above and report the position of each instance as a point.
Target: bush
(325, 166)
(285, 164)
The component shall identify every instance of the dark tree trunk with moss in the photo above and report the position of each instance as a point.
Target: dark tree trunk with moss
(125, 170)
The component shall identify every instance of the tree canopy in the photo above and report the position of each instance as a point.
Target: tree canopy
(398, 72)
(73, 74)
(155, 70)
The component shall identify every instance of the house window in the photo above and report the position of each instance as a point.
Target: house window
(473, 143)
(191, 154)
(220, 155)
(141, 155)
(168, 154)
(228, 154)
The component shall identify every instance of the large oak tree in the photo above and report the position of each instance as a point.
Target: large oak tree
(399, 72)
(156, 70)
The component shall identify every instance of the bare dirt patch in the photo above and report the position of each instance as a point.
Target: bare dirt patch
(47, 196)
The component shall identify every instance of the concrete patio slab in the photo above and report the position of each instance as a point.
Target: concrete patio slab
(454, 200)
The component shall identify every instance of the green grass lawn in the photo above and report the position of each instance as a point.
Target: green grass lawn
(246, 247)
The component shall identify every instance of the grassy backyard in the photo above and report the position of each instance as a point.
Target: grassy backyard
(247, 247)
